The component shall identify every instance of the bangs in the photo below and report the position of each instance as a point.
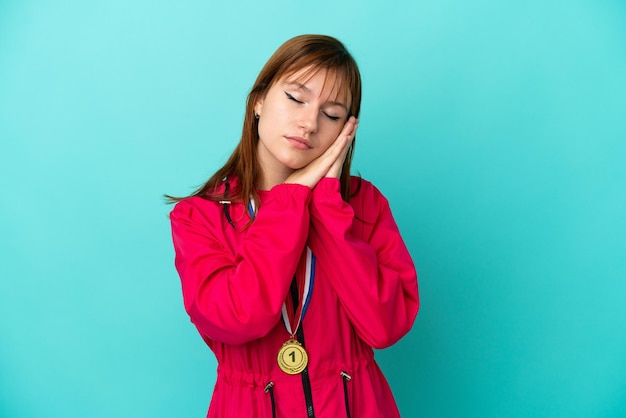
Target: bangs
(336, 82)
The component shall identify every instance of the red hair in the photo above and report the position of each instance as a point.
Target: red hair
(305, 52)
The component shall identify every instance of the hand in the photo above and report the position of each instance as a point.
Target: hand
(335, 170)
(328, 164)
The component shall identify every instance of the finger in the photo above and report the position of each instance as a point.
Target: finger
(349, 137)
(349, 128)
(337, 166)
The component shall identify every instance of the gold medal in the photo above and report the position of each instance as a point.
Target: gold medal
(292, 357)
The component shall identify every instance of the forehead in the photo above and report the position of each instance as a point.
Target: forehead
(334, 85)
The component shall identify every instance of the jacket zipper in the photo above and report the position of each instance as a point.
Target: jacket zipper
(306, 382)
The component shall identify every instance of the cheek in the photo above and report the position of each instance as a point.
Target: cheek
(268, 123)
(273, 116)
(330, 134)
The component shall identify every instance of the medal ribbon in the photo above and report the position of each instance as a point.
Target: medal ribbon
(304, 277)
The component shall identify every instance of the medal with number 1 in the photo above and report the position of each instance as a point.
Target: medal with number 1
(292, 357)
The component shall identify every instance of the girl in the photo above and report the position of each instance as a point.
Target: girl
(291, 269)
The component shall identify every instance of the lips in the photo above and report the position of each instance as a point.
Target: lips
(299, 142)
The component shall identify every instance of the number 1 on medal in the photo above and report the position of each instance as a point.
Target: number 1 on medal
(292, 357)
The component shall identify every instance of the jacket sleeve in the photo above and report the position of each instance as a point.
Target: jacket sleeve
(374, 276)
(235, 295)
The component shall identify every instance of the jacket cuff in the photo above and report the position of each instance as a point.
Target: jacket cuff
(327, 186)
(289, 192)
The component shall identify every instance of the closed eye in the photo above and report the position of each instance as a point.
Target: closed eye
(331, 116)
(290, 97)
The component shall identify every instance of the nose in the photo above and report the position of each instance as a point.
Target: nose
(307, 119)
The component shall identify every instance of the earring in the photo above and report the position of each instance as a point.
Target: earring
(256, 116)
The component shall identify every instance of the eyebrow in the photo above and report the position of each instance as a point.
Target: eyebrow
(306, 89)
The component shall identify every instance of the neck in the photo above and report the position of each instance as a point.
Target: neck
(271, 176)
(271, 171)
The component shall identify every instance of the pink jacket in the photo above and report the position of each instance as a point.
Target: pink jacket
(235, 280)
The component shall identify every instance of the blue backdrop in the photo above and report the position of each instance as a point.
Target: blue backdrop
(496, 130)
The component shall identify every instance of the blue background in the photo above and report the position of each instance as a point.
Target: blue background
(496, 129)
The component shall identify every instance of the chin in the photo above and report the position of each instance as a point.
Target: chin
(295, 165)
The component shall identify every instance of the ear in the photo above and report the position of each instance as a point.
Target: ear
(258, 107)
